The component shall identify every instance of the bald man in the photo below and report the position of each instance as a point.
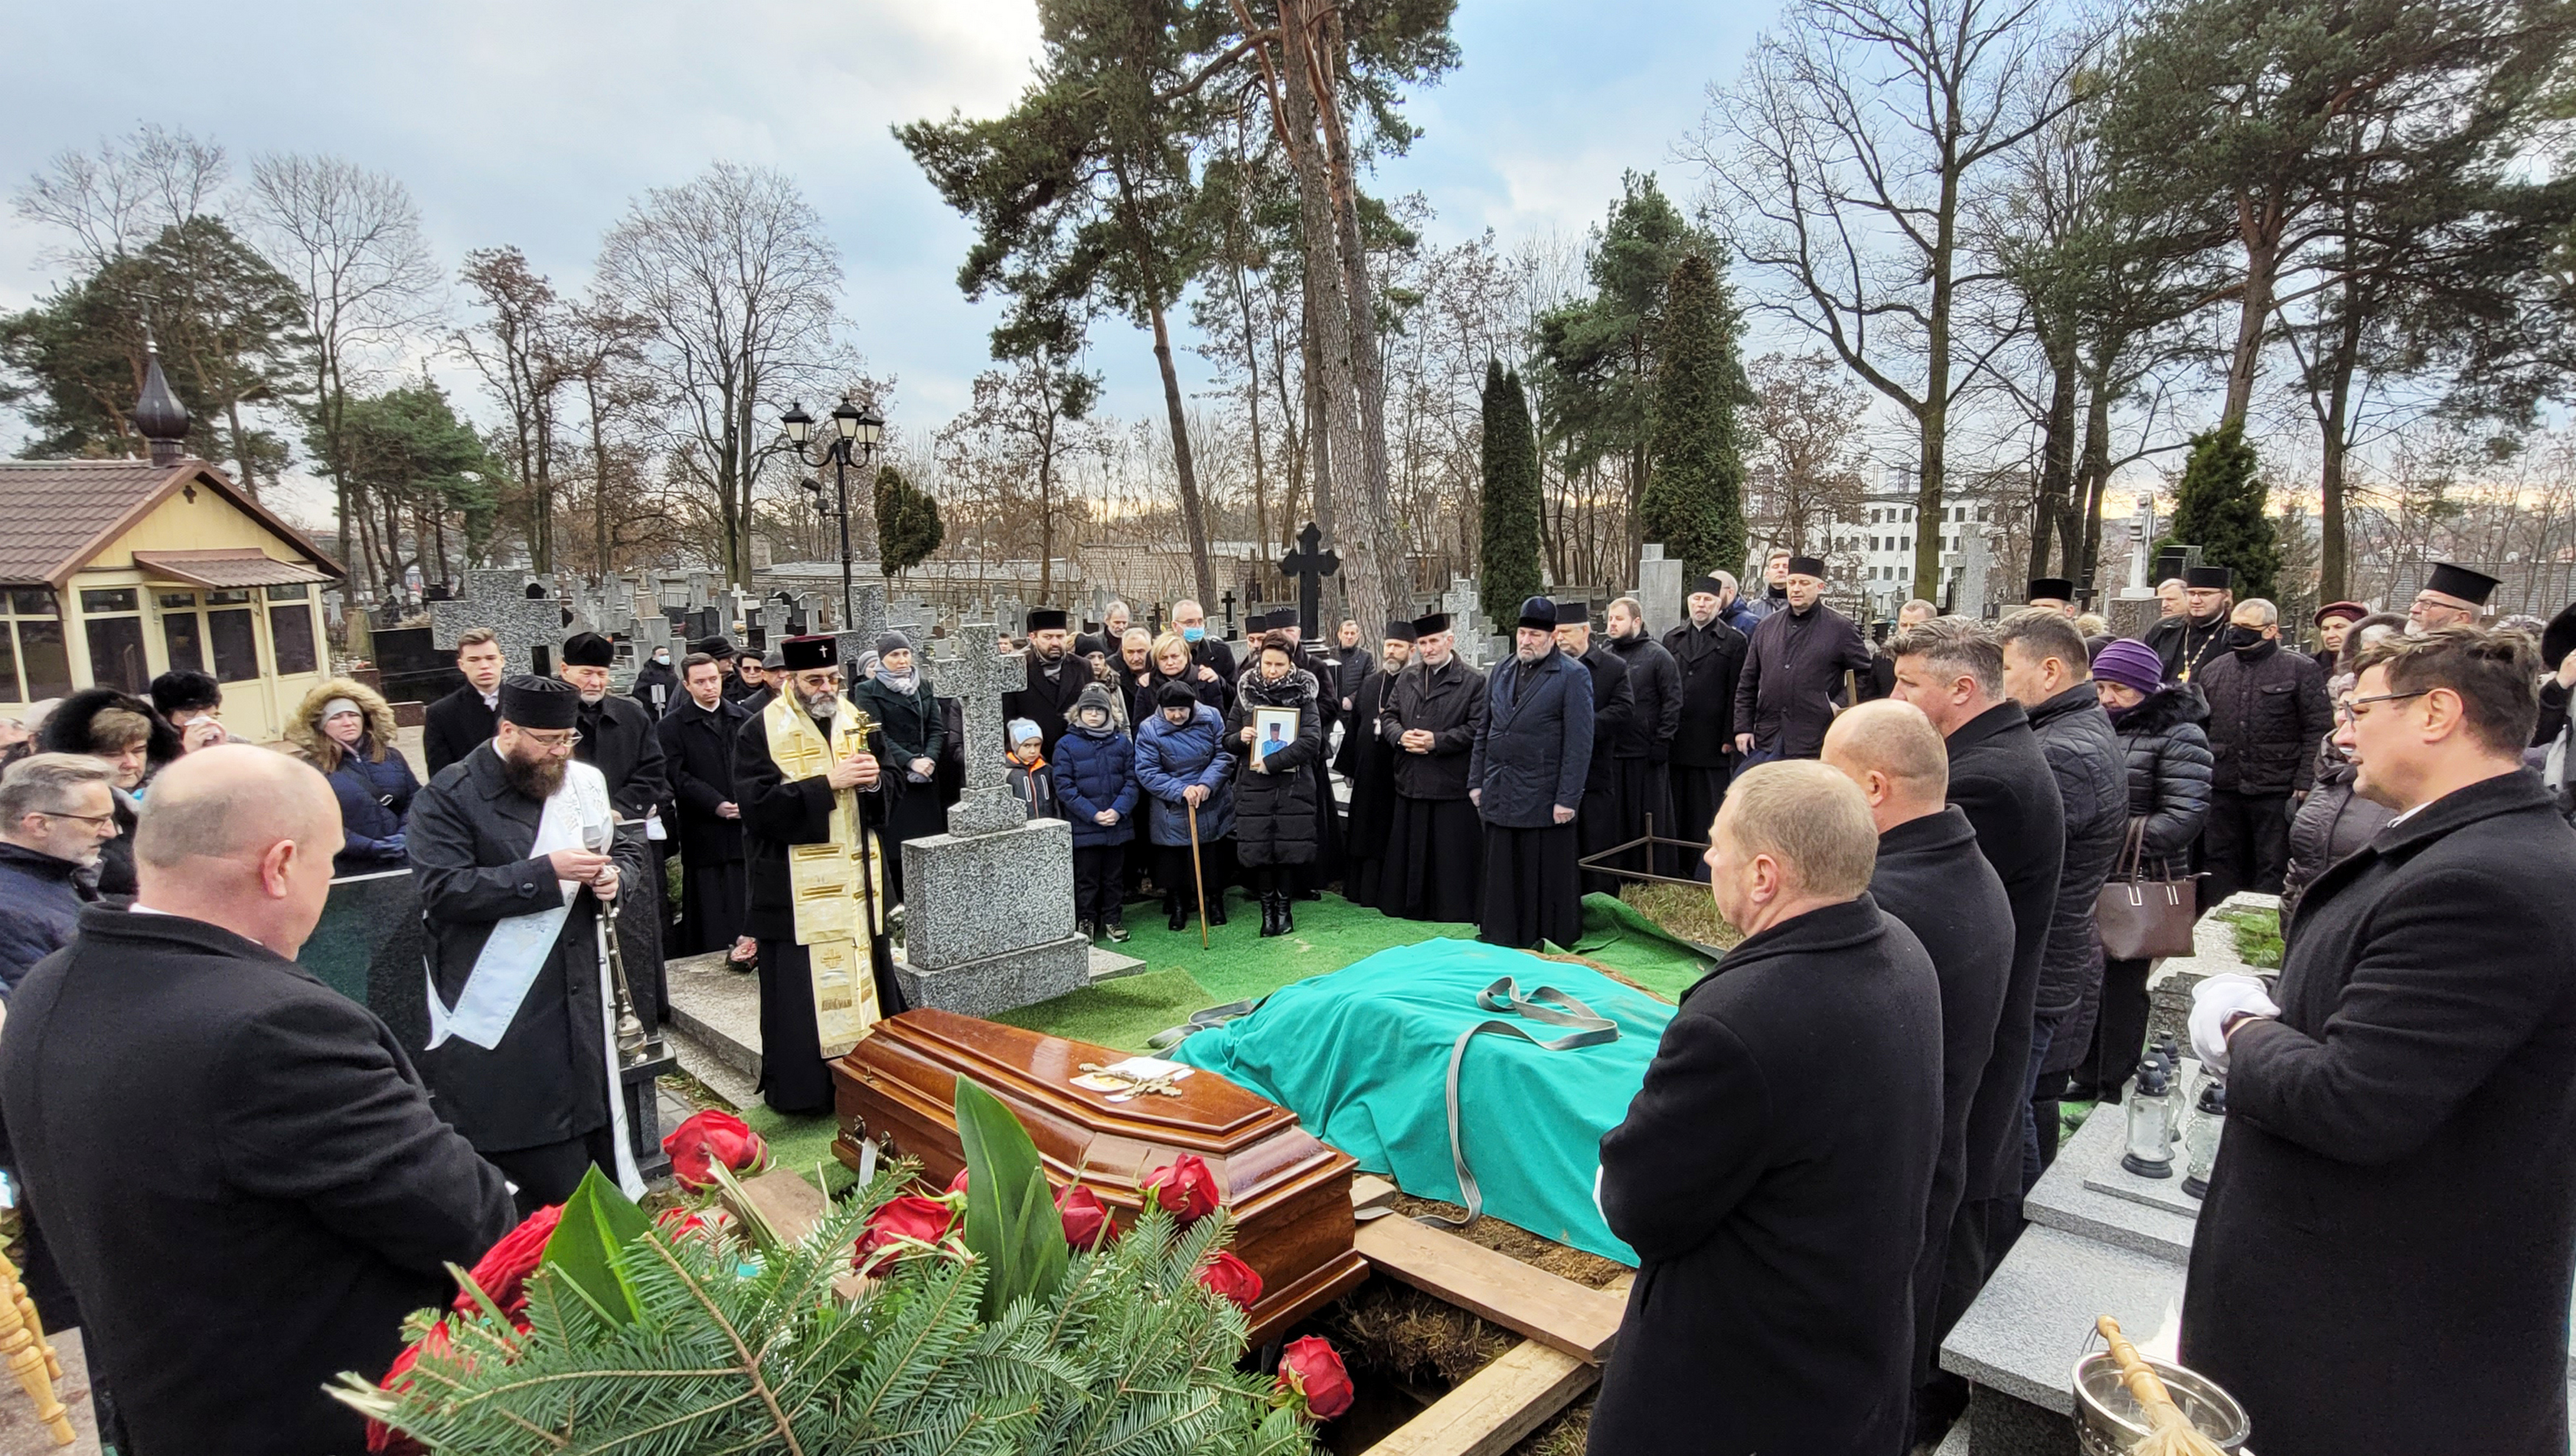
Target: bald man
(1773, 1170)
(1932, 879)
(240, 1170)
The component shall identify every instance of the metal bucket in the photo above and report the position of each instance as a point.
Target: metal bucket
(2109, 1423)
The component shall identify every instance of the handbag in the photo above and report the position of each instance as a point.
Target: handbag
(2139, 919)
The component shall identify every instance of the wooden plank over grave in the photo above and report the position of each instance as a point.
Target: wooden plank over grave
(1491, 1410)
(1545, 1307)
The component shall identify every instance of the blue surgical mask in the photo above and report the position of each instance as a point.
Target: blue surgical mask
(1193, 634)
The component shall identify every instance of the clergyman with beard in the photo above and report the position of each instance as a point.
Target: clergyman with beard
(506, 845)
(1057, 676)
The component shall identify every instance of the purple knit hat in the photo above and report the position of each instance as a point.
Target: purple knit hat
(2130, 664)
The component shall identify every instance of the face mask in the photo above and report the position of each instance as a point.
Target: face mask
(1193, 634)
(2240, 638)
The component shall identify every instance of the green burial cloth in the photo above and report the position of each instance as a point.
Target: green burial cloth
(1362, 1057)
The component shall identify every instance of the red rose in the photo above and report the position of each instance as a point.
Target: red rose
(676, 1222)
(1232, 1278)
(1086, 1218)
(713, 1137)
(957, 1184)
(1311, 1369)
(910, 1217)
(1185, 1188)
(502, 1273)
(384, 1440)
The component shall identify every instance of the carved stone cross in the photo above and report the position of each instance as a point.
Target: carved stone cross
(529, 630)
(1309, 564)
(977, 676)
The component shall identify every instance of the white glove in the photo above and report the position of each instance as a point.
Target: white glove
(2213, 1003)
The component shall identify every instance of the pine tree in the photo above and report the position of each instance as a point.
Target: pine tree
(908, 525)
(1694, 502)
(1508, 566)
(2221, 508)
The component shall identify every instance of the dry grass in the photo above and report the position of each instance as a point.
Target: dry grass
(1688, 913)
(1590, 1270)
(1563, 1435)
(1395, 1329)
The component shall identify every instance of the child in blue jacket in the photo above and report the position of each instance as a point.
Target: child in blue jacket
(1095, 787)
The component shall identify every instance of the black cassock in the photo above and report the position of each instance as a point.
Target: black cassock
(1709, 660)
(617, 738)
(1602, 820)
(778, 812)
(1053, 689)
(698, 746)
(1368, 766)
(544, 1089)
(1435, 863)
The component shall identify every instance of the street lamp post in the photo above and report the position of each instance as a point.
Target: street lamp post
(854, 428)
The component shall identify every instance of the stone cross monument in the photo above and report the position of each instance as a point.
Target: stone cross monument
(988, 906)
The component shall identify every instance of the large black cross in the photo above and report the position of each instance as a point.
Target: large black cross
(1228, 602)
(1309, 564)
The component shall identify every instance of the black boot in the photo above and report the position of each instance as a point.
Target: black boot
(1216, 907)
(1287, 914)
(1180, 916)
(1269, 913)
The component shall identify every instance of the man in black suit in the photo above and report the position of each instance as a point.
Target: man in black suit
(466, 719)
(1056, 678)
(501, 845)
(1933, 881)
(243, 1174)
(1953, 669)
(1773, 1170)
(617, 738)
(698, 746)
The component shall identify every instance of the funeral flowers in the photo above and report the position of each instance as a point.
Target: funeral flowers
(1310, 1369)
(712, 1137)
(1185, 1188)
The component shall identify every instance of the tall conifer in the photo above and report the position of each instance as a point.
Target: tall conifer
(2221, 507)
(1694, 501)
(1509, 567)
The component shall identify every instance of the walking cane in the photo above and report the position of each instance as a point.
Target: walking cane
(1198, 877)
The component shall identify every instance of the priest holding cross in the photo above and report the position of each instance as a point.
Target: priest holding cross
(807, 770)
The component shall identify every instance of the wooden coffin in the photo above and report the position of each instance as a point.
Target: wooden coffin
(1290, 1193)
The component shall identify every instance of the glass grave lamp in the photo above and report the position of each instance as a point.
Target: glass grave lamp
(2150, 1149)
(2200, 1139)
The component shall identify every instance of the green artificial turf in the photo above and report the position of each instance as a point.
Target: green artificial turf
(1627, 940)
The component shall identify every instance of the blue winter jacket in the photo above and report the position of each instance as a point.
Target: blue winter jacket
(1533, 755)
(40, 902)
(1170, 759)
(375, 808)
(1092, 774)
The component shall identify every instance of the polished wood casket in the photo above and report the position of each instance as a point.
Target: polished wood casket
(1290, 1193)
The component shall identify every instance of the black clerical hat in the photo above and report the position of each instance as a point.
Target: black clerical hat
(588, 649)
(1708, 584)
(1047, 619)
(2050, 589)
(2473, 587)
(2560, 637)
(804, 654)
(543, 703)
(1807, 566)
(1540, 613)
(716, 647)
(2208, 578)
(1399, 631)
(1430, 622)
(1573, 614)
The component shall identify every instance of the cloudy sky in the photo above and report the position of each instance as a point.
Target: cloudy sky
(537, 122)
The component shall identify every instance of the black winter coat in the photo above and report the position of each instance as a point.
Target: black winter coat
(617, 738)
(1449, 702)
(455, 726)
(1614, 717)
(1144, 703)
(1048, 701)
(2267, 712)
(1932, 880)
(2093, 801)
(1709, 661)
(470, 836)
(1655, 681)
(2394, 1205)
(2333, 824)
(1275, 806)
(303, 1197)
(698, 749)
(2000, 779)
(1793, 676)
(657, 687)
(911, 722)
(1772, 1175)
(2168, 777)
(1535, 749)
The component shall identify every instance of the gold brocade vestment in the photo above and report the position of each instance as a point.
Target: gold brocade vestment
(837, 885)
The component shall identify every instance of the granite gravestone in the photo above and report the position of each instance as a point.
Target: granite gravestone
(988, 906)
(1659, 589)
(528, 629)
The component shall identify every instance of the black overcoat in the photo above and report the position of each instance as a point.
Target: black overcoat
(1931, 878)
(242, 1175)
(1048, 701)
(1535, 747)
(2267, 713)
(2000, 779)
(2383, 1261)
(1772, 1175)
(455, 726)
(617, 739)
(2092, 769)
(1367, 764)
(1709, 660)
(697, 750)
(1449, 702)
(1793, 677)
(548, 1079)
(1655, 681)
(1275, 812)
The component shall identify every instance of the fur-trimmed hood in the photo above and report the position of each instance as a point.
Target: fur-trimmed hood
(304, 733)
(2160, 710)
(66, 729)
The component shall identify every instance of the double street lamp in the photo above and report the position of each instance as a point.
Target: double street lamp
(854, 428)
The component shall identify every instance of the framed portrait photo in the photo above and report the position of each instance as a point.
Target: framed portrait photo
(1272, 730)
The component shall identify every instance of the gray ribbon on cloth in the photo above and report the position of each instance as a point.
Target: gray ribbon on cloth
(1547, 1004)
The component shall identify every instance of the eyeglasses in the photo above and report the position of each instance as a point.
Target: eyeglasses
(549, 742)
(94, 821)
(2344, 706)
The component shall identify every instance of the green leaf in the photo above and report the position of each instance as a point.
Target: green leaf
(587, 1247)
(1007, 1202)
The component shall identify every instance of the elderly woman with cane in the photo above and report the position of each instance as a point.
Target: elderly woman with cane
(1182, 765)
